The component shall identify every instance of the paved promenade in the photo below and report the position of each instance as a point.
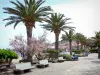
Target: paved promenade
(85, 66)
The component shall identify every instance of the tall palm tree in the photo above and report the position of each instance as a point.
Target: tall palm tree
(56, 23)
(69, 36)
(97, 42)
(78, 37)
(28, 12)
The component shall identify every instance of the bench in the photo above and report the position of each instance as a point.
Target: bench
(23, 66)
(60, 59)
(43, 63)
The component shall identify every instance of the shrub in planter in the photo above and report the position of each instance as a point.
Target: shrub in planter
(66, 56)
(52, 53)
(46, 55)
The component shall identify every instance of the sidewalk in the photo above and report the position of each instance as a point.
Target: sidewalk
(85, 66)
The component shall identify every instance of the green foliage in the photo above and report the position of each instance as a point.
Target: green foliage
(78, 51)
(11, 54)
(27, 12)
(66, 56)
(93, 50)
(7, 54)
(97, 39)
(52, 53)
(46, 55)
(68, 36)
(56, 23)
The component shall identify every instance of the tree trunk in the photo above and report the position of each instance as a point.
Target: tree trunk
(81, 46)
(77, 45)
(57, 42)
(98, 52)
(10, 60)
(29, 36)
(70, 46)
(29, 59)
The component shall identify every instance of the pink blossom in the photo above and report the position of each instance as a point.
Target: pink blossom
(19, 44)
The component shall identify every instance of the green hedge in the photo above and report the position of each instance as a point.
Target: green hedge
(78, 51)
(93, 51)
(53, 53)
(66, 56)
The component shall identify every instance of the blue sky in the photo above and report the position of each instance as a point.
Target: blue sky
(8, 32)
(84, 14)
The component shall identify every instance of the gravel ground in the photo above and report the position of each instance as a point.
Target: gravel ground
(84, 66)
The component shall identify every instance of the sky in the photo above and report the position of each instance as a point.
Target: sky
(85, 15)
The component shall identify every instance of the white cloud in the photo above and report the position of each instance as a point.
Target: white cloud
(84, 13)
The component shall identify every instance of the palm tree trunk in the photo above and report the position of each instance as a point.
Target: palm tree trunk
(57, 42)
(81, 46)
(70, 46)
(98, 52)
(29, 36)
(77, 45)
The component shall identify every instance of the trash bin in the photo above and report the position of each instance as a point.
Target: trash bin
(75, 56)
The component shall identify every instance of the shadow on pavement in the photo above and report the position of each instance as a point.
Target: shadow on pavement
(96, 62)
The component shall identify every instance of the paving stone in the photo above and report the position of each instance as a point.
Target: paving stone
(84, 66)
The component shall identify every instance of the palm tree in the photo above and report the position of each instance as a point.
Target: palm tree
(56, 23)
(69, 36)
(77, 37)
(83, 41)
(97, 42)
(28, 12)
(90, 42)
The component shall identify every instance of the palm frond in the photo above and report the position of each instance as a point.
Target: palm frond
(11, 11)
(39, 3)
(12, 20)
(29, 11)
(9, 23)
(44, 9)
(58, 22)
(16, 24)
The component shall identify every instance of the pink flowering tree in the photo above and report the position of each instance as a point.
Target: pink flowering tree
(19, 44)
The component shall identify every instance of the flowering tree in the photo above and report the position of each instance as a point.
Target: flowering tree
(19, 44)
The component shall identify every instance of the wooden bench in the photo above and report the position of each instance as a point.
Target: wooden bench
(60, 59)
(23, 66)
(43, 63)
